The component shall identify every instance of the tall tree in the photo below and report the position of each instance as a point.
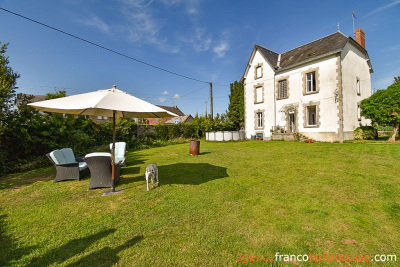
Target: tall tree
(8, 81)
(236, 105)
(383, 108)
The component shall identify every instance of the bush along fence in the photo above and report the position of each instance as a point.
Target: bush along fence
(365, 133)
(29, 135)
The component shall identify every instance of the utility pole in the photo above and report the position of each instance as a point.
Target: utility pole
(211, 101)
(206, 110)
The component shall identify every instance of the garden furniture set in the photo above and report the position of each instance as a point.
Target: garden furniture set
(99, 164)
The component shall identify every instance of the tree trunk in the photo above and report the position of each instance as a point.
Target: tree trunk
(392, 139)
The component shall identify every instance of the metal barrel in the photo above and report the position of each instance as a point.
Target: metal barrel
(194, 147)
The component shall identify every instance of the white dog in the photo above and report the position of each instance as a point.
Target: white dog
(151, 172)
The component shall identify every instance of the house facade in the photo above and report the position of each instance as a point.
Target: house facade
(314, 90)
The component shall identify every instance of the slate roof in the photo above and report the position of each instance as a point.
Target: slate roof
(326, 45)
(270, 56)
(185, 118)
(173, 109)
(322, 47)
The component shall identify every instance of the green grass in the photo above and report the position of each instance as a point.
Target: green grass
(235, 198)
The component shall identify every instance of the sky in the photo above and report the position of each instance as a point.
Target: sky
(203, 40)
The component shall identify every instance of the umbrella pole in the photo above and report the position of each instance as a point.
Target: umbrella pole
(113, 155)
(112, 191)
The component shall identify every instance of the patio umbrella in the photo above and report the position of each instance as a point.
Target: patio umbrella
(110, 102)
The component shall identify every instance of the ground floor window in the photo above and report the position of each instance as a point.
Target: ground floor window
(312, 115)
(259, 117)
(259, 120)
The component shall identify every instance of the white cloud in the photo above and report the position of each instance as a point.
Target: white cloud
(213, 77)
(139, 23)
(176, 96)
(97, 23)
(192, 10)
(144, 25)
(162, 99)
(171, 2)
(165, 93)
(221, 49)
(381, 8)
(198, 39)
(394, 48)
(201, 42)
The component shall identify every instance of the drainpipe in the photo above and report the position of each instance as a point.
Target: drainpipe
(278, 65)
(341, 125)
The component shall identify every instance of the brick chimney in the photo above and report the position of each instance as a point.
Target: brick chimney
(360, 37)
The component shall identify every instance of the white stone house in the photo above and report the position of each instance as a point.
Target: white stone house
(315, 89)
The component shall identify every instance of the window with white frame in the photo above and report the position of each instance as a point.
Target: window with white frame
(312, 115)
(258, 72)
(259, 120)
(282, 89)
(358, 86)
(310, 82)
(259, 94)
(358, 112)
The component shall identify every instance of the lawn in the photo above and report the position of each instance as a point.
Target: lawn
(235, 198)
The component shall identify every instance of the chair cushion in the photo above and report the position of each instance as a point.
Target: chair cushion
(68, 155)
(82, 166)
(58, 157)
(96, 154)
(119, 159)
(120, 149)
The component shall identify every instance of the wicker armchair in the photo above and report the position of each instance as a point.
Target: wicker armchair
(67, 166)
(101, 170)
(120, 151)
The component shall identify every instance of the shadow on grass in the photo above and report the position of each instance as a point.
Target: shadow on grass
(18, 180)
(10, 250)
(190, 173)
(106, 256)
(133, 164)
(73, 247)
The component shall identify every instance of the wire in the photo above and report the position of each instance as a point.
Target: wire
(194, 91)
(103, 47)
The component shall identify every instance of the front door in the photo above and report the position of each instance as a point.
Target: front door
(292, 123)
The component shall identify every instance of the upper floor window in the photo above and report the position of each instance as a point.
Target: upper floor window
(358, 86)
(310, 82)
(259, 94)
(282, 89)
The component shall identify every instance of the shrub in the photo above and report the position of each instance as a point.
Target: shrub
(365, 133)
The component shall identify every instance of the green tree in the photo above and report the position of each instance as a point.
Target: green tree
(236, 105)
(383, 108)
(8, 81)
(57, 94)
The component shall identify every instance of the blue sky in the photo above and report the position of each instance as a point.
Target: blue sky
(207, 40)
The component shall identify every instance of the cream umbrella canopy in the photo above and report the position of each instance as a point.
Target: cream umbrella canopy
(110, 102)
